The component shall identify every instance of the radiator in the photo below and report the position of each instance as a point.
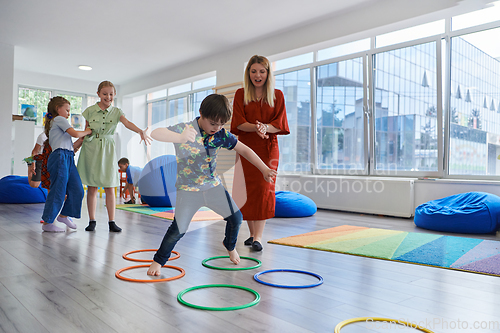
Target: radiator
(372, 195)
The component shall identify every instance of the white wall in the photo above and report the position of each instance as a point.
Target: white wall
(382, 15)
(378, 195)
(24, 138)
(6, 102)
(127, 143)
(426, 190)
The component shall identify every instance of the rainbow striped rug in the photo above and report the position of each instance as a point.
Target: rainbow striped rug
(203, 214)
(460, 253)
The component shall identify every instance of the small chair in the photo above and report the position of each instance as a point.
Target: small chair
(123, 182)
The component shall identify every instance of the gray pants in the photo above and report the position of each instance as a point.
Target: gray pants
(187, 204)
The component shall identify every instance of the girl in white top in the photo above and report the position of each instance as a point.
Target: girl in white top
(35, 168)
(64, 178)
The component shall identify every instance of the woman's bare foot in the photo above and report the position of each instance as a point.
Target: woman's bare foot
(154, 269)
(234, 256)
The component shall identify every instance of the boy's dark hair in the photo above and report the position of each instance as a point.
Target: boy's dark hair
(216, 107)
(123, 161)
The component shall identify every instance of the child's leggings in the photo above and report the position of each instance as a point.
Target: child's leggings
(187, 204)
(64, 180)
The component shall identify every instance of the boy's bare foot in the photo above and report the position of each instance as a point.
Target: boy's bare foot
(234, 256)
(154, 269)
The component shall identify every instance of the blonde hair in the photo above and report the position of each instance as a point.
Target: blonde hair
(106, 84)
(249, 88)
(54, 104)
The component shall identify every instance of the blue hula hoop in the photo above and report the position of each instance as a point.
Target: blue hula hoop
(256, 277)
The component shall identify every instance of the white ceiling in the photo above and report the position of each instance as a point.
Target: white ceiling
(125, 39)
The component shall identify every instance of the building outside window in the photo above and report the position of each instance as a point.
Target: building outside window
(339, 116)
(295, 152)
(474, 105)
(406, 109)
(406, 116)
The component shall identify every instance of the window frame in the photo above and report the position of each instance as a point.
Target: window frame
(354, 172)
(439, 102)
(168, 98)
(449, 36)
(53, 93)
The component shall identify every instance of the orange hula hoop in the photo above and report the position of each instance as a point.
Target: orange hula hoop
(118, 272)
(125, 255)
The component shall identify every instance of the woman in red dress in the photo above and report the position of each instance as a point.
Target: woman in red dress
(259, 115)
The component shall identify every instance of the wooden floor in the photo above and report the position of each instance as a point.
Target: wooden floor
(65, 282)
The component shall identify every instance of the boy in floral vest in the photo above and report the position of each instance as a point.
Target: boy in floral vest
(197, 144)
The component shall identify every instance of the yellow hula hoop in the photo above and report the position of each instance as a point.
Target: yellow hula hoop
(400, 322)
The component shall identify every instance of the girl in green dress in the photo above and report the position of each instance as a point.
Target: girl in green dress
(97, 161)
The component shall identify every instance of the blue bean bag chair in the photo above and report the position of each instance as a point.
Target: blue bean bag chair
(467, 213)
(17, 190)
(291, 204)
(157, 181)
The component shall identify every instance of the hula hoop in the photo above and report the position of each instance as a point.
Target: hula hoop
(400, 322)
(118, 272)
(228, 308)
(204, 263)
(125, 255)
(256, 277)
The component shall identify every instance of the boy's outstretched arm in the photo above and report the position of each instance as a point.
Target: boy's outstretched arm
(165, 135)
(268, 173)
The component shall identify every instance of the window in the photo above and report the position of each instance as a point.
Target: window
(157, 115)
(299, 60)
(157, 94)
(179, 89)
(405, 104)
(339, 116)
(198, 97)
(92, 100)
(408, 104)
(37, 98)
(475, 105)
(178, 111)
(295, 148)
(204, 83)
(168, 112)
(76, 109)
(413, 33)
(180, 103)
(344, 49)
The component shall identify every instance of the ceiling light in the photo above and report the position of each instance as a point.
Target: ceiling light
(85, 68)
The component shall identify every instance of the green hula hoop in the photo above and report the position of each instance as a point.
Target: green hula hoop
(204, 263)
(228, 308)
